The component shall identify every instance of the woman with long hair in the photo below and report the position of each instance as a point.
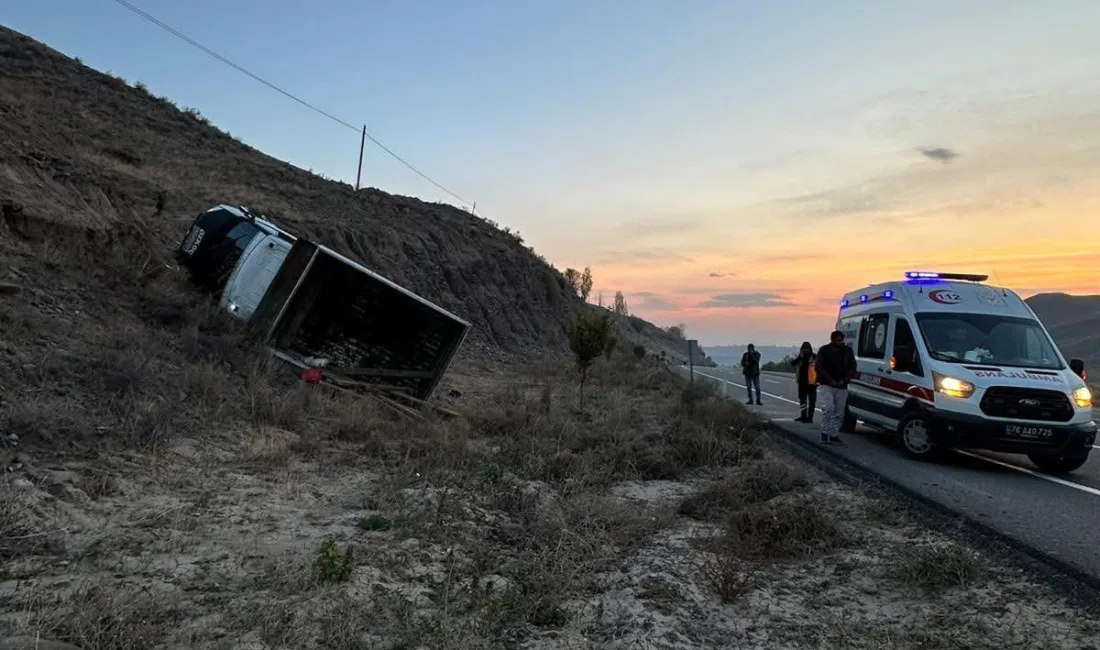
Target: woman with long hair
(806, 377)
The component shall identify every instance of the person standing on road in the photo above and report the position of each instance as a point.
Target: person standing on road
(806, 378)
(836, 366)
(750, 367)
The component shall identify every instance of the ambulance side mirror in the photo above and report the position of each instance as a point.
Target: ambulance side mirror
(1078, 367)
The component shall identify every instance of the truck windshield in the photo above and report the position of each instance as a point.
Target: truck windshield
(242, 234)
(988, 339)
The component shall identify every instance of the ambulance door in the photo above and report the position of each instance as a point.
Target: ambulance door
(870, 397)
(907, 362)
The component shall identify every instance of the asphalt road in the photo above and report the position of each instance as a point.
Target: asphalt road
(1057, 516)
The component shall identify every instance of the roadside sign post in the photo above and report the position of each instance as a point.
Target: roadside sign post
(691, 360)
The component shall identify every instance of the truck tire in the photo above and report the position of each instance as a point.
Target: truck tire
(848, 425)
(914, 437)
(1057, 464)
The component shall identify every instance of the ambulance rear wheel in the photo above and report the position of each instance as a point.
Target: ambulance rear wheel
(848, 425)
(915, 437)
(1057, 464)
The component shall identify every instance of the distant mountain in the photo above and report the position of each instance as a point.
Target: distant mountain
(730, 355)
(1074, 322)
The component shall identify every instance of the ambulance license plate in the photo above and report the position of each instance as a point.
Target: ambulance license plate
(1034, 433)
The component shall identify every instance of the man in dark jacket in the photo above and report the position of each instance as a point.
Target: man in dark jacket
(836, 366)
(750, 367)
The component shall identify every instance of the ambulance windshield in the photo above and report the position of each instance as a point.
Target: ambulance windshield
(987, 339)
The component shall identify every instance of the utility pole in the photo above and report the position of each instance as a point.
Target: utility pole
(359, 170)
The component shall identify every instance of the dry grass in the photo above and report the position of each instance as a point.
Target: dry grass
(753, 484)
(106, 618)
(938, 567)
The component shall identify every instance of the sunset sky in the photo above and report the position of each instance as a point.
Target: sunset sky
(728, 164)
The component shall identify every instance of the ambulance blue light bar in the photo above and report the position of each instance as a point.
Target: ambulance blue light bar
(935, 275)
(888, 294)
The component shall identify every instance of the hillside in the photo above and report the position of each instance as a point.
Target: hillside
(91, 164)
(1074, 322)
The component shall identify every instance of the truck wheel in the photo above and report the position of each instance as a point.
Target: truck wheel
(848, 425)
(915, 437)
(1057, 464)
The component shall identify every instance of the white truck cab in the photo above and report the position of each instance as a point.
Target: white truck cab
(235, 252)
(947, 361)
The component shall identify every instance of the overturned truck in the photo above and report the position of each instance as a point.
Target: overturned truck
(313, 306)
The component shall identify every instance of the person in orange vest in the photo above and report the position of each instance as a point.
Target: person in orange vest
(806, 378)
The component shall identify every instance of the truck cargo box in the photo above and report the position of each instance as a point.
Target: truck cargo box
(324, 305)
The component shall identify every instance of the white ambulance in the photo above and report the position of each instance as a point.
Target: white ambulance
(947, 361)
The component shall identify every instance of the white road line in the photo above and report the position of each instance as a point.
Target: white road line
(771, 381)
(1023, 470)
(733, 383)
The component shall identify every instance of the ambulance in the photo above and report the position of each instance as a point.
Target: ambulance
(945, 360)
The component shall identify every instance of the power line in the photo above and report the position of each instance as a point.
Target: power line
(184, 37)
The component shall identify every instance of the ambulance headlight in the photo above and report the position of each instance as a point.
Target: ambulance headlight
(952, 387)
(1082, 397)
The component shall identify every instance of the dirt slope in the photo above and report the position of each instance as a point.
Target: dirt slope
(87, 158)
(1074, 322)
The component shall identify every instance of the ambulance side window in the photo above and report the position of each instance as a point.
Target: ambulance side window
(872, 336)
(905, 349)
(850, 327)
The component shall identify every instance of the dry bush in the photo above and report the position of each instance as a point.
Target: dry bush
(359, 420)
(938, 567)
(268, 446)
(142, 423)
(749, 484)
(107, 618)
(274, 396)
(563, 545)
(211, 392)
(21, 533)
(45, 419)
(728, 575)
(782, 529)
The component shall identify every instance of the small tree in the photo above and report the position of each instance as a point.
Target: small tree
(639, 351)
(620, 305)
(586, 283)
(612, 343)
(589, 336)
(573, 277)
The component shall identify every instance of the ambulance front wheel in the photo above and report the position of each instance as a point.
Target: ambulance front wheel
(848, 425)
(1057, 464)
(915, 438)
